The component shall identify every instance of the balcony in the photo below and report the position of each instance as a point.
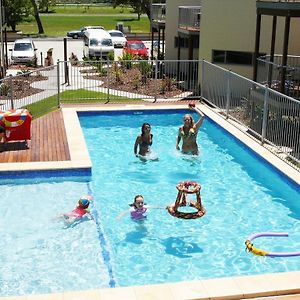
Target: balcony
(158, 14)
(270, 73)
(279, 7)
(189, 19)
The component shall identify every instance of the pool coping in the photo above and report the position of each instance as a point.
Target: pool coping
(251, 286)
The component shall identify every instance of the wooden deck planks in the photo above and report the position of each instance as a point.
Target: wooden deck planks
(48, 142)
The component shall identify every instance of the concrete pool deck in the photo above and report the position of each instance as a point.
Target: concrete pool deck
(242, 287)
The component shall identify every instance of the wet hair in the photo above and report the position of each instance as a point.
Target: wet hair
(134, 204)
(143, 127)
(84, 203)
(190, 116)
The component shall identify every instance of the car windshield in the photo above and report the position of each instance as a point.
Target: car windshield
(116, 34)
(94, 42)
(137, 46)
(107, 42)
(23, 47)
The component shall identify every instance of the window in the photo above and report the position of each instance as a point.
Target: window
(233, 57)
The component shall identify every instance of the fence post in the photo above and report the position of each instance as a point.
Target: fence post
(202, 79)
(58, 85)
(108, 81)
(155, 80)
(228, 93)
(265, 115)
(11, 92)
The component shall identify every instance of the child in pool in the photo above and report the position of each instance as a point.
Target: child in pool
(138, 209)
(79, 211)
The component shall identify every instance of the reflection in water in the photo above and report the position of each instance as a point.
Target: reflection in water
(180, 248)
(138, 234)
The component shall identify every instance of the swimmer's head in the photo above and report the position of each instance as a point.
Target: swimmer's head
(146, 127)
(138, 201)
(84, 201)
(188, 119)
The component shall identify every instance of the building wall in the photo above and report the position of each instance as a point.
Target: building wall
(172, 16)
(231, 24)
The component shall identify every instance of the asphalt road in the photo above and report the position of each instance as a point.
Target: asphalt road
(75, 46)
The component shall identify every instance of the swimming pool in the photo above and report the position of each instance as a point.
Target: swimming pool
(241, 193)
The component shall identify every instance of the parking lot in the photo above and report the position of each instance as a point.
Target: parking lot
(75, 46)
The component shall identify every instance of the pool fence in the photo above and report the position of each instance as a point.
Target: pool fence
(267, 115)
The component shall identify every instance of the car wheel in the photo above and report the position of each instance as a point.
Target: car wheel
(75, 36)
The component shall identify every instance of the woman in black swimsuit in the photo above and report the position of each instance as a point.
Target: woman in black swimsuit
(144, 141)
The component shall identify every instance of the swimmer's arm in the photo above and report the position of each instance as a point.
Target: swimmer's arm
(156, 206)
(122, 214)
(137, 141)
(90, 216)
(151, 139)
(178, 139)
(201, 119)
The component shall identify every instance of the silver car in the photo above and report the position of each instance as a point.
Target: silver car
(23, 51)
(118, 38)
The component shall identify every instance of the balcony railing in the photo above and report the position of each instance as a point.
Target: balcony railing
(278, 0)
(158, 12)
(270, 73)
(189, 18)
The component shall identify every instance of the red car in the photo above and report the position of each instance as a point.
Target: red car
(137, 48)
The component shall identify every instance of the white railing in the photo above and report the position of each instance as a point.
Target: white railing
(267, 115)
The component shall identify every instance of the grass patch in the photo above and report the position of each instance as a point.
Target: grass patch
(42, 107)
(87, 96)
(49, 104)
(59, 25)
(90, 9)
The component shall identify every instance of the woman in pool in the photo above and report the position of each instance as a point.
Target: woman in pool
(144, 141)
(188, 132)
(79, 211)
(138, 209)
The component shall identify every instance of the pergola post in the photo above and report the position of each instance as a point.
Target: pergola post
(257, 40)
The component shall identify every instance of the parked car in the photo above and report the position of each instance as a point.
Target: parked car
(136, 47)
(118, 38)
(97, 44)
(23, 51)
(79, 33)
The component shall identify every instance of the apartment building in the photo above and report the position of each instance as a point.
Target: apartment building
(227, 33)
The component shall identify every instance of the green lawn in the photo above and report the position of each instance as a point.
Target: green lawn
(90, 9)
(49, 104)
(63, 19)
(59, 25)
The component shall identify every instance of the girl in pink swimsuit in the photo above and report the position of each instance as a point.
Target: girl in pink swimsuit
(79, 211)
(138, 209)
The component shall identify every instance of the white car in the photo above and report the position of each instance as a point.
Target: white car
(23, 51)
(118, 38)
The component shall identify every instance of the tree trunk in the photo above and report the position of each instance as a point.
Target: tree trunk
(37, 17)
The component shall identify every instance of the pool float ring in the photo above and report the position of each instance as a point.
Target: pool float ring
(261, 252)
(14, 117)
(184, 188)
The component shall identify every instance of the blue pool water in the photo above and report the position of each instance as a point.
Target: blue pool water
(241, 194)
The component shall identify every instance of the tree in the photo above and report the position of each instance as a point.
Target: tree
(16, 11)
(37, 17)
(44, 5)
(139, 6)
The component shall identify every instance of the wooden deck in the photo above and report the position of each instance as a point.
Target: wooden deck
(48, 142)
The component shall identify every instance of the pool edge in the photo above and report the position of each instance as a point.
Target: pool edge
(242, 287)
